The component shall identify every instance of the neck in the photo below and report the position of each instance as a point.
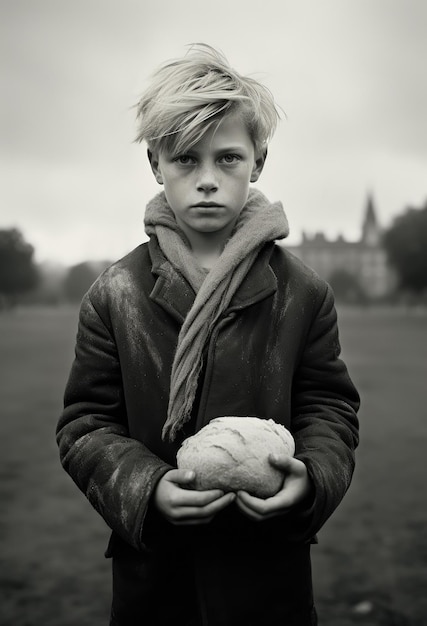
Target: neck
(207, 245)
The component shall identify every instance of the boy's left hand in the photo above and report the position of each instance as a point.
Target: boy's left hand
(296, 487)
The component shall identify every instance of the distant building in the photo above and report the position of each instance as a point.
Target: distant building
(363, 263)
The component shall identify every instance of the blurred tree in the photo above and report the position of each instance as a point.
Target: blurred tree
(50, 288)
(346, 286)
(406, 245)
(78, 280)
(18, 272)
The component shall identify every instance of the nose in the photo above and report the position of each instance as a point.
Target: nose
(207, 179)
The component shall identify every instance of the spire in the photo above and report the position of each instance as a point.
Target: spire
(370, 230)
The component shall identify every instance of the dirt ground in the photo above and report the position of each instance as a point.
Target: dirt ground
(370, 566)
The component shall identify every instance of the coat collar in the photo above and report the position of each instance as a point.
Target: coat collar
(174, 294)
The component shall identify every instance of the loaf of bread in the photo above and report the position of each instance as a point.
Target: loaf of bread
(231, 453)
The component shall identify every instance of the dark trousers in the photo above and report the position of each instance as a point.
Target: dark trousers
(212, 581)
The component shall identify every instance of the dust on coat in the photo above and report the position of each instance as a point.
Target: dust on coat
(273, 354)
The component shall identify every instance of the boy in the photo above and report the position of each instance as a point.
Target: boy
(209, 318)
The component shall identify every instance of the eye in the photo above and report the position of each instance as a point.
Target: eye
(230, 158)
(184, 159)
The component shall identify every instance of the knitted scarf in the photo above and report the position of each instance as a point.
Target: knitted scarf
(259, 222)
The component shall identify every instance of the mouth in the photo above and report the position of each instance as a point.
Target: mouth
(206, 205)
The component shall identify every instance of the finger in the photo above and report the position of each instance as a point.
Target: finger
(180, 477)
(195, 498)
(215, 506)
(283, 462)
(279, 503)
(187, 513)
(256, 505)
(253, 515)
(185, 478)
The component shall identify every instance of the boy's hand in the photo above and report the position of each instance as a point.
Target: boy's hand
(180, 504)
(296, 488)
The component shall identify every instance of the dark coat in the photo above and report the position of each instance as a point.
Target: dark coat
(273, 354)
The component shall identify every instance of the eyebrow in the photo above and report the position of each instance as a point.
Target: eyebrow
(232, 148)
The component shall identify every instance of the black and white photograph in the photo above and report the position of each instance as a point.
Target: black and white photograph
(213, 313)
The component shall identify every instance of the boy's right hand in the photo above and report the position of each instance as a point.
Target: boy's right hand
(180, 504)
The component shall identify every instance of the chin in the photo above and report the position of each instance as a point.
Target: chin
(209, 228)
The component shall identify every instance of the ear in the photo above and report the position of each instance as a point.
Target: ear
(154, 162)
(258, 166)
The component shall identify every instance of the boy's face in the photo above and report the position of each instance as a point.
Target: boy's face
(207, 186)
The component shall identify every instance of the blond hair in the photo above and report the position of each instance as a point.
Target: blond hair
(192, 94)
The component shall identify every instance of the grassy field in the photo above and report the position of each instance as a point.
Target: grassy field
(370, 566)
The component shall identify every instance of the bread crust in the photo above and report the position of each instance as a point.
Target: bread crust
(231, 453)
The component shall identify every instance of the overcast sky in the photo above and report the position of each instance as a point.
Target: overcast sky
(349, 74)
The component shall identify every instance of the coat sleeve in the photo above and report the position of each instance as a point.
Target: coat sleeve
(116, 473)
(324, 420)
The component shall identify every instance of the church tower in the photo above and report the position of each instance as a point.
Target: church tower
(371, 232)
